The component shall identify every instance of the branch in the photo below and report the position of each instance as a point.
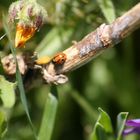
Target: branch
(105, 36)
(93, 44)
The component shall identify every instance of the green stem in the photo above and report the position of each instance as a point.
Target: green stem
(93, 114)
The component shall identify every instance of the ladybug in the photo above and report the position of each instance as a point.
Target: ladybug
(59, 58)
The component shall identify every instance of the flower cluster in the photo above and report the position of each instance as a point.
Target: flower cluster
(28, 16)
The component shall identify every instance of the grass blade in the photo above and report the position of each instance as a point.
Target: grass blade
(18, 75)
(47, 124)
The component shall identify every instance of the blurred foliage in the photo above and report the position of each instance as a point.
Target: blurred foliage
(111, 81)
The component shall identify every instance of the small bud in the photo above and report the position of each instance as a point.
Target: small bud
(28, 16)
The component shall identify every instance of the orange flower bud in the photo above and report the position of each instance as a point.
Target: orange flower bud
(23, 33)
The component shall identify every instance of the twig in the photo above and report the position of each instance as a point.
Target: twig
(94, 43)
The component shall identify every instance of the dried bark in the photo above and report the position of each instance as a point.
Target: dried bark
(94, 43)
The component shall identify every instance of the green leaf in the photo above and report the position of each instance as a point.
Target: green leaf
(103, 128)
(107, 9)
(7, 92)
(3, 124)
(48, 120)
(98, 133)
(105, 121)
(121, 119)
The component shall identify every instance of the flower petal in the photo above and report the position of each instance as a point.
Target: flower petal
(131, 130)
(134, 123)
(23, 34)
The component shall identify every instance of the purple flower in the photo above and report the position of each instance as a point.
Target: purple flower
(133, 127)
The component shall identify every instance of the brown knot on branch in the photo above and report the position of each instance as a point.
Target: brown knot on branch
(9, 64)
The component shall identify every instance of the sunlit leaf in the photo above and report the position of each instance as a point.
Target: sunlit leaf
(107, 9)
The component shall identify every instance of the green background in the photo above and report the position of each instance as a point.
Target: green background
(110, 81)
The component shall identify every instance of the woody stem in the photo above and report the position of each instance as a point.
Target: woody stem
(96, 42)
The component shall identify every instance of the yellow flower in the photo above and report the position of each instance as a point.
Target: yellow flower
(23, 33)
